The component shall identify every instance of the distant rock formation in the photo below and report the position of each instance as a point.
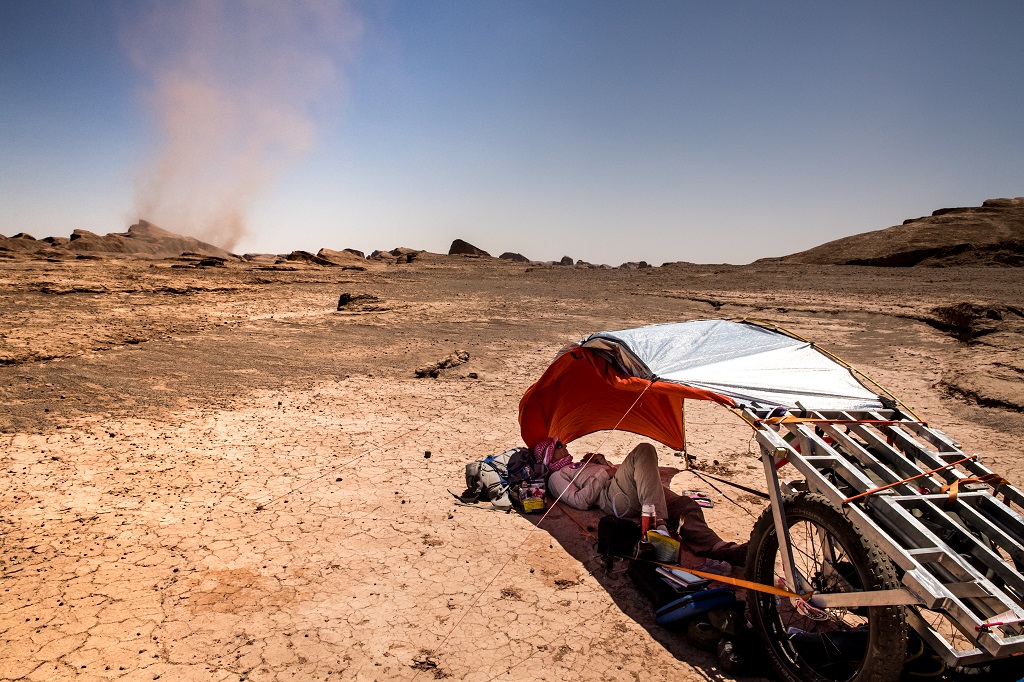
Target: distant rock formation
(517, 257)
(400, 254)
(260, 257)
(463, 248)
(344, 259)
(978, 236)
(307, 257)
(142, 240)
(566, 260)
(25, 245)
(635, 265)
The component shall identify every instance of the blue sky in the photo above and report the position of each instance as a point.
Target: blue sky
(606, 131)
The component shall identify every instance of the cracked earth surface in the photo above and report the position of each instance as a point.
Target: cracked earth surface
(216, 475)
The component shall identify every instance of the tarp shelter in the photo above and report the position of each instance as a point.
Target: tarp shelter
(593, 384)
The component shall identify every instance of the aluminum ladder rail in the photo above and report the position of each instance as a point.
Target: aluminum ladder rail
(949, 572)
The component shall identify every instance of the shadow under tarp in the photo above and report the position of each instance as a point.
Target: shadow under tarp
(576, 532)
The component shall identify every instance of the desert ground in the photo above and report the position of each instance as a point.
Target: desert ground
(213, 473)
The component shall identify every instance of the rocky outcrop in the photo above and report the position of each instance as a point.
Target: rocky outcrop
(434, 369)
(516, 257)
(142, 240)
(260, 257)
(22, 243)
(967, 320)
(344, 259)
(400, 254)
(307, 257)
(463, 248)
(976, 236)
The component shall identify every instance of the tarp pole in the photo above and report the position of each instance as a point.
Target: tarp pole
(686, 456)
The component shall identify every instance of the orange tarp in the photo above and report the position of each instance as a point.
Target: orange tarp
(581, 393)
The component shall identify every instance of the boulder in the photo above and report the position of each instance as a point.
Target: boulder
(464, 248)
(358, 301)
(434, 369)
(566, 260)
(517, 257)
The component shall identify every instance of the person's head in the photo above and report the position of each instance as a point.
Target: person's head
(550, 450)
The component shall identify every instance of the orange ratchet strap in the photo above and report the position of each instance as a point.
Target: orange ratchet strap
(746, 584)
(848, 500)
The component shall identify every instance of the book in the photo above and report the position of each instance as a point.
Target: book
(681, 578)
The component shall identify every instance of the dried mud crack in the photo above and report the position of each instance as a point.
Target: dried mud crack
(212, 473)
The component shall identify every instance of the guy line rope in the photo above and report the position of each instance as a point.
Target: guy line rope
(529, 533)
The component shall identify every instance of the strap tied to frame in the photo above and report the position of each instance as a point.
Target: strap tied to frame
(848, 500)
(994, 480)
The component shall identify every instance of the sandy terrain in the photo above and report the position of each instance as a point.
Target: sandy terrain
(212, 474)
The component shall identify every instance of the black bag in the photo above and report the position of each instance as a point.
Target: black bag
(522, 466)
(617, 537)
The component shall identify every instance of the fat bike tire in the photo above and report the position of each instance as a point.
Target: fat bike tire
(863, 644)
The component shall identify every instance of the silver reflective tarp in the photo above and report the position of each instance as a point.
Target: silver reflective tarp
(752, 365)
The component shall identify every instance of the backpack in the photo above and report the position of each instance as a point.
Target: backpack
(522, 466)
(527, 485)
(488, 479)
(492, 477)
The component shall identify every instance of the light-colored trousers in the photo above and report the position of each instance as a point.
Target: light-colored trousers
(637, 482)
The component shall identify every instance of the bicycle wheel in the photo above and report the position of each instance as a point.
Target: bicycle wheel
(863, 644)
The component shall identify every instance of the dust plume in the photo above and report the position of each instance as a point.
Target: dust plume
(233, 88)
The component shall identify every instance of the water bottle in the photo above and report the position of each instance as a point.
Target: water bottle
(648, 519)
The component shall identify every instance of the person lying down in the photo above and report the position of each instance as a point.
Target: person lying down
(623, 490)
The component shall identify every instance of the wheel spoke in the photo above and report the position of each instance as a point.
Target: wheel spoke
(829, 555)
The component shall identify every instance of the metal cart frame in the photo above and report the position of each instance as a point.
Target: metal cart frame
(966, 602)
